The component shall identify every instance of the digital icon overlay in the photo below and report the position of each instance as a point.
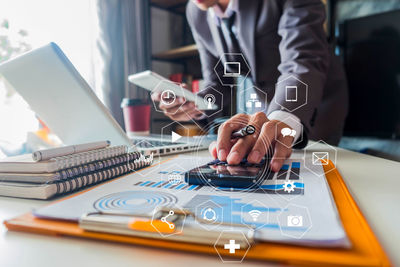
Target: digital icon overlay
(320, 158)
(168, 97)
(316, 155)
(288, 132)
(253, 102)
(232, 246)
(209, 99)
(289, 186)
(168, 221)
(147, 156)
(213, 99)
(164, 219)
(286, 127)
(255, 214)
(291, 93)
(174, 178)
(231, 69)
(294, 220)
(171, 133)
(296, 217)
(209, 215)
(175, 137)
(232, 243)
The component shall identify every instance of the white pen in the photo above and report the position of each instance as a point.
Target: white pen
(46, 154)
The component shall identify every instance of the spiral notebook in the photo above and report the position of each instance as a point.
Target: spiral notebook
(26, 164)
(49, 177)
(48, 190)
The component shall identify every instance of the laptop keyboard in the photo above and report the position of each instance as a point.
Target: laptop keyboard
(154, 143)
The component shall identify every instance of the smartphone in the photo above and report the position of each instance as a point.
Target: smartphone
(221, 174)
(149, 81)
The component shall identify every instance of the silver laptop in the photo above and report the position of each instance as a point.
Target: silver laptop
(54, 89)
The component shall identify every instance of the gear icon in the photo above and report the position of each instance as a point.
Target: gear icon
(289, 186)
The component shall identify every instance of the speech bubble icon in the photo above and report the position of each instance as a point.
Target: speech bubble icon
(293, 133)
(286, 131)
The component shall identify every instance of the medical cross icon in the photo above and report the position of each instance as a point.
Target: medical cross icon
(232, 246)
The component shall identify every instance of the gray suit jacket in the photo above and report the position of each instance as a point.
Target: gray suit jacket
(280, 38)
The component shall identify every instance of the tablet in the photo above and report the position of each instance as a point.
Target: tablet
(154, 82)
(220, 174)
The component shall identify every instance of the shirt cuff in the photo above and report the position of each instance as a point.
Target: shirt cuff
(202, 117)
(288, 118)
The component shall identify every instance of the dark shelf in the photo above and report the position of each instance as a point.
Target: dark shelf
(177, 53)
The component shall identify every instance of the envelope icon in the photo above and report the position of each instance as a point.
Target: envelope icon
(320, 158)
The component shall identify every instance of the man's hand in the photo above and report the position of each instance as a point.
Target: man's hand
(255, 145)
(175, 111)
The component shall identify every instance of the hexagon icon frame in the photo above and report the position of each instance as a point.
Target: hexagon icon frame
(288, 196)
(168, 125)
(242, 93)
(157, 90)
(307, 150)
(307, 212)
(298, 141)
(306, 93)
(201, 207)
(153, 167)
(220, 61)
(219, 108)
(248, 212)
(174, 233)
(231, 260)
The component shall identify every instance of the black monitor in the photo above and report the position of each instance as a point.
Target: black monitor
(370, 48)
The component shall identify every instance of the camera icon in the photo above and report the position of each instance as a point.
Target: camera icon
(294, 221)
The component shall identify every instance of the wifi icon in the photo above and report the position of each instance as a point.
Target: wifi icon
(254, 214)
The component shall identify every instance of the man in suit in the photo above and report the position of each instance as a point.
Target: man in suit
(284, 43)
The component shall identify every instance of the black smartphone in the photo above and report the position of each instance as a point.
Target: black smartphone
(221, 174)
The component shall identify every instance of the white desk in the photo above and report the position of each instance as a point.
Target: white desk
(374, 183)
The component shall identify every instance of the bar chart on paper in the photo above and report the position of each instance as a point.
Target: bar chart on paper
(276, 217)
(275, 183)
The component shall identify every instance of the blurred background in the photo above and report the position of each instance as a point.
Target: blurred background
(107, 40)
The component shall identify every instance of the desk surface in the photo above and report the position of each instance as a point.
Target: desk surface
(373, 182)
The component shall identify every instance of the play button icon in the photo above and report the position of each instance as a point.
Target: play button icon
(175, 137)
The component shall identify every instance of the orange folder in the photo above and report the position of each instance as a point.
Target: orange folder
(365, 250)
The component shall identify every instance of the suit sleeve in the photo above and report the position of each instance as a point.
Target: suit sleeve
(304, 58)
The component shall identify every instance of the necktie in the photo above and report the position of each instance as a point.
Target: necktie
(227, 27)
(232, 47)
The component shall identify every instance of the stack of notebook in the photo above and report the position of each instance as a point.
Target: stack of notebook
(27, 177)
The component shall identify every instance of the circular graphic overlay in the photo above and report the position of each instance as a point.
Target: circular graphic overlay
(259, 171)
(134, 202)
